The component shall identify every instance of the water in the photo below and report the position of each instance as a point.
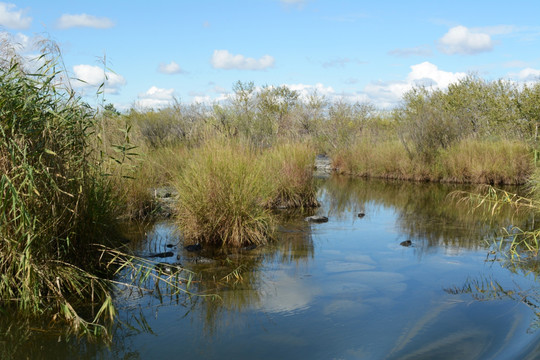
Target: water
(345, 289)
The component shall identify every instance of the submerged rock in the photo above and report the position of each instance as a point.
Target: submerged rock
(162, 255)
(168, 269)
(406, 243)
(193, 248)
(316, 219)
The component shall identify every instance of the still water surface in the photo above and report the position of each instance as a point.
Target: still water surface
(345, 289)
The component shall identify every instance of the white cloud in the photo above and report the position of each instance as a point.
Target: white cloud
(222, 59)
(155, 98)
(13, 19)
(306, 90)
(67, 21)
(171, 68)
(527, 75)
(94, 76)
(424, 74)
(461, 40)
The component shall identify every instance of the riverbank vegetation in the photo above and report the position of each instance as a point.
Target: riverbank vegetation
(59, 201)
(475, 131)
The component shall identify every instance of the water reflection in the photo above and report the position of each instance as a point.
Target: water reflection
(427, 214)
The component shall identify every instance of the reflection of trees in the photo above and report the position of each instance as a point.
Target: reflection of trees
(426, 212)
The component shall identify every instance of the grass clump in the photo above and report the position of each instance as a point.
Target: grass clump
(290, 166)
(221, 192)
(227, 189)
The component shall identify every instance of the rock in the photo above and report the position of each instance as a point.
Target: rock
(162, 255)
(168, 269)
(406, 243)
(193, 248)
(361, 214)
(316, 219)
(203, 260)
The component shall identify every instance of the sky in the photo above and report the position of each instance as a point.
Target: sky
(195, 50)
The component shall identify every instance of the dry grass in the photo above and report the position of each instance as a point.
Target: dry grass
(220, 195)
(290, 166)
(467, 161)
(487, 162)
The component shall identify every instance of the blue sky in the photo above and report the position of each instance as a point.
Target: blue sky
(353, 50)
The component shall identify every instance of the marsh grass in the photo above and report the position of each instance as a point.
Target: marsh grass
(58, 205)
(228, 188)
(487, 162)
(513, 241)
(290, 166)
(466, 161)
(220, 195)
(54, 202)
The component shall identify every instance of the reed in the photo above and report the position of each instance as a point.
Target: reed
(54, 202)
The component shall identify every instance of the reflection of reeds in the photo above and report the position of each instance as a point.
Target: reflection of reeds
(488, 289)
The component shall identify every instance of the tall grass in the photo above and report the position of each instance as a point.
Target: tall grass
(290, 166)
(54, 201)
(58, 205)
(465, 161)
(487, 162)
(220, 195)
(228, 187)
